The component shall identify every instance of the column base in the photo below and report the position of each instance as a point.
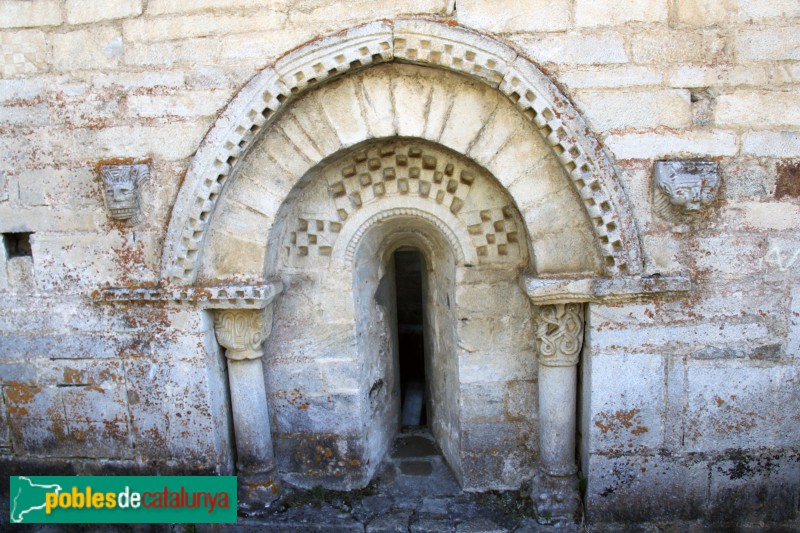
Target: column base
(555, 498)
(258, 490)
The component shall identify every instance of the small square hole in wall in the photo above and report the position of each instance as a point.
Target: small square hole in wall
(17, 244)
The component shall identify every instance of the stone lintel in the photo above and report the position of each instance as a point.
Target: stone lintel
(233, 296)
(543, 291)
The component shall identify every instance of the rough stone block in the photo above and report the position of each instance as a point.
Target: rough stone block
(344, 112)
(473, 300)
(642, 488)
(38, 115)
(201, 25)
(327, 17)
(733, 405)
(44, 218)
(23, 52)
(20, 274)
(63, 260)
(610, 77)
(58, 187)
(701, 13)
(747, 178)
(202, 51)
(5, 434)
(482, 401)
(757, 109)
(755, 485)
(661, 255)
(172, 410)
(471, 111)
(776, 216)
(85, 11)
(577, 48)
(748, 11)
(336, 414)
(29, 13)
(170, 142)
(662, 45)
(23, 345)
(635, 109)
(507, 16)
(567, 251)
(616, 12)
(793, 344)
(768, 44)
(771, 143)
(340, 377)
(161, 7)
(509, 169)
(730, 260)
(482, 366)
(627, 413)
(187, 104)
(94, 48)
(677, 337)
(149, 80)
(722, 76)
(672, 145)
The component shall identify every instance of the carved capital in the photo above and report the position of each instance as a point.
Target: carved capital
(559, 334)
(242, 331)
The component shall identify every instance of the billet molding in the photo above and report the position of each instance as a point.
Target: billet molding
(549, 291)
(234, 296)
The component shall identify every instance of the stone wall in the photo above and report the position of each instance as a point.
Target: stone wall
(688, 406)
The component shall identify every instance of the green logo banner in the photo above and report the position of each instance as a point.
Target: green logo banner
(122, 499)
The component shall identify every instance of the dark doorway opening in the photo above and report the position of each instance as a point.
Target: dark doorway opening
(408, 268)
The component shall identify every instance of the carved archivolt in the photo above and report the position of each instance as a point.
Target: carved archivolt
(422, 42)
(402, 178)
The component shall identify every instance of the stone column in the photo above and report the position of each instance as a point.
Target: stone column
(242, 332)
(559, 339)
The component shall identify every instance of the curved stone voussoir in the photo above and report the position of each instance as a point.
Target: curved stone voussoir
(327, 57)
(415, 41)
(225, 144)
(452, 47)
(584, 161)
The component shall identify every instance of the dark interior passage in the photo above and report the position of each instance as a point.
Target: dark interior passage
(408, 265)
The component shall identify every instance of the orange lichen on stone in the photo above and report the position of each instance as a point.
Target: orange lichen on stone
(621, 419)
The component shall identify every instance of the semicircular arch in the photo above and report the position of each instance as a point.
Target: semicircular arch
(590, 179)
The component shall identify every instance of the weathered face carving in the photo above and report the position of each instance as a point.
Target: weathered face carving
(121, 189)
(688, 185)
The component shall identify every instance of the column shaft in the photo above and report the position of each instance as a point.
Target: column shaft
(250, 415)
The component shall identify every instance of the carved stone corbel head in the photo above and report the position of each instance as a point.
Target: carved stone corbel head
(121, 188)
(683, 188)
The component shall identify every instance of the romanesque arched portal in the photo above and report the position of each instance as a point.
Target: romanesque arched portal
(417, 134)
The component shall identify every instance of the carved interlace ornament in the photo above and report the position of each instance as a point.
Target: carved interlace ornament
(559, 334)
(242, 331)
(121, 185)
(683, 188)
